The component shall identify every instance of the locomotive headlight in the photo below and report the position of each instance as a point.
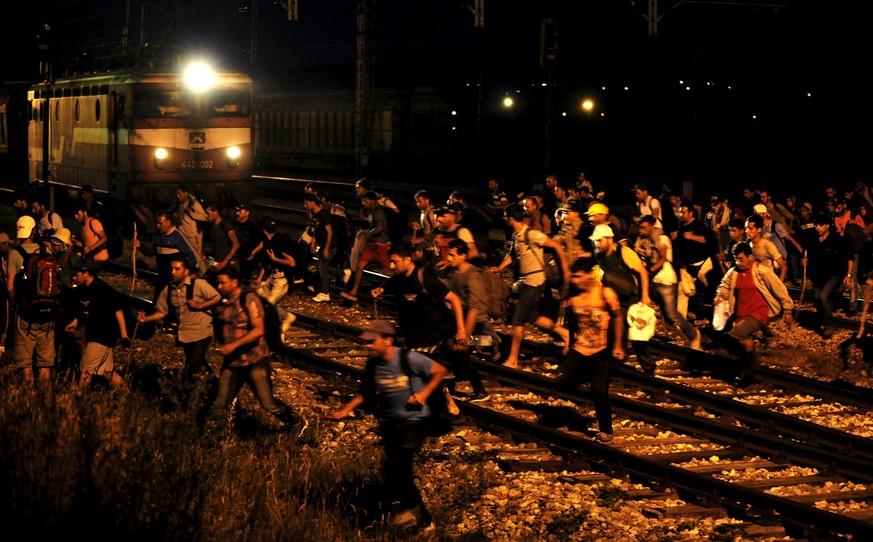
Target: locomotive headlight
(233, 154)
(199, 77)
(161, 158)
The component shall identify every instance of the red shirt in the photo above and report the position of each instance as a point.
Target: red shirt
(750, 302)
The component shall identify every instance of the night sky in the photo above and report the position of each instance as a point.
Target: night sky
(770, 92)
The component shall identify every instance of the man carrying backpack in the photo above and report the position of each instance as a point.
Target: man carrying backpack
(398, 394)
(190, 300)
(33, 282)
(468, 283)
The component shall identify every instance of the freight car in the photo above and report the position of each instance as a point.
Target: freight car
(407, 132)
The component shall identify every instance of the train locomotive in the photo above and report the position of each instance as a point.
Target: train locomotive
(134, 134)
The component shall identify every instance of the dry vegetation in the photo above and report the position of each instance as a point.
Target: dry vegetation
(148, 465)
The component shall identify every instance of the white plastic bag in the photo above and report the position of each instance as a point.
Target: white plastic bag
(721, 313)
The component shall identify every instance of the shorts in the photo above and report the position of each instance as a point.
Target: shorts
(376, 252)
(34, 345)
(97, 359)
(528, 305)
(746, 327)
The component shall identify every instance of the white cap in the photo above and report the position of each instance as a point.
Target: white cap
(760, 209)
(25, 226)
(601, 231)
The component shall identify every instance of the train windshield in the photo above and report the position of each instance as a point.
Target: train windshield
(162, 104)
(227, 103)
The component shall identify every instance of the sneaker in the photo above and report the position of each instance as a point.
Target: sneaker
(403, 520)
(603, 437)
(322, 297)
(695, 342)
(347, 274)
(479, 396)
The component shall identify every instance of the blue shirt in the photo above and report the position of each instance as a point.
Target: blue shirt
(393, 385)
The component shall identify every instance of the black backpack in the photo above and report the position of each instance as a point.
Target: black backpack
(272, 325)
(38, 286)
(440, 420)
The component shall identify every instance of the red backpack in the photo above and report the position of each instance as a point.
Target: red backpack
(38, 286)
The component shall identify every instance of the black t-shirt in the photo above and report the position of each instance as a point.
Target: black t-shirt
(424, 318)
(321, 220)
(279, 244)
(98, 304)
(250, 235)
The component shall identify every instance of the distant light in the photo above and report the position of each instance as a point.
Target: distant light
(603, 114)
(544, 84)
(681, 82)
(603, 87)
(688, 88)
(627, 88)
(454, 128)
(199, 77)
(508, 102)
(563, 113)
(809, 94)
(233, 152)
(161, 154)
(587, 105)
(754, 117)
(454, 113)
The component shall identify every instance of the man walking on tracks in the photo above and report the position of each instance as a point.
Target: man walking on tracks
(398, 395)
(755, 295)
(246, 353)
(190, 300)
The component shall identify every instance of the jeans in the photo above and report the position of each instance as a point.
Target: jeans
(667, 295)
(594, 369)
(195, 357)
(401, 439)
(826, 295)
(258, 377)
(325, 270)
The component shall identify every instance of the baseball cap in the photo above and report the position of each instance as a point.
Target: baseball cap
(88, 265)
(760, 209)
(641, 318)
(597, 209)
(25, 226)
(601, 231)
(378, 328)
(242, 207)
(63, 235)
(571, 205)
(640, 186)
(444, 210)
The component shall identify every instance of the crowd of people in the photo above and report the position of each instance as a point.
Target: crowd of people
(593, 278)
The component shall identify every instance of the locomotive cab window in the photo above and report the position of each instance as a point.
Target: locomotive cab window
(162, 104)
(227, 104)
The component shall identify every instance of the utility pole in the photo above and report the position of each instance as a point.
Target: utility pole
(363, 86)
(549, 60)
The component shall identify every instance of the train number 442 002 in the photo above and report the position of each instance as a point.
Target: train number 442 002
(197, 164)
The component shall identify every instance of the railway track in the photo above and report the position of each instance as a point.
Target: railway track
(668, 436)
(761, 455)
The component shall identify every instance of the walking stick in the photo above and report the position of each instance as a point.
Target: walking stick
(803, 285)
(868, 289)
(133, 260)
